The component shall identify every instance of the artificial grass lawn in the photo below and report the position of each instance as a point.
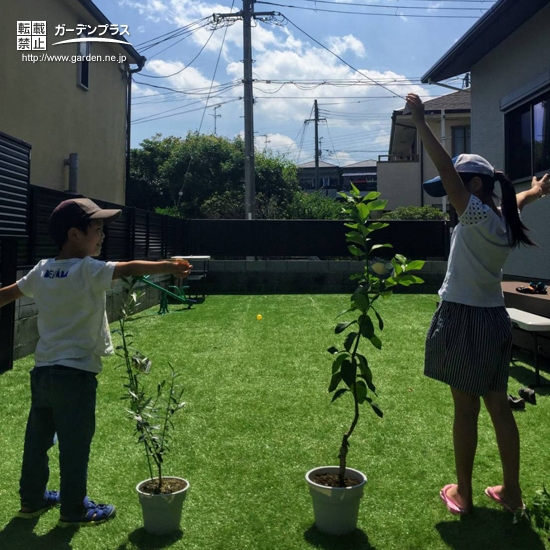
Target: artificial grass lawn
(259, 416)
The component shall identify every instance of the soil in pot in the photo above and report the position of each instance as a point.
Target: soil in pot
(169, 486)
(332, 480)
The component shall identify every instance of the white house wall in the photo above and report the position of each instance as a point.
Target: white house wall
(515, 62)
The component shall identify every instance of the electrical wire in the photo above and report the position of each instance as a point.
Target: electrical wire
(386, 7)
(342, 60)
(185, 66)
(368, 13)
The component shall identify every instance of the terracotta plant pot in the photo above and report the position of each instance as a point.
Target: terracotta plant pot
(336, 509)
(162, 513)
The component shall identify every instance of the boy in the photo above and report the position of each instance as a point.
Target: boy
(72, 324)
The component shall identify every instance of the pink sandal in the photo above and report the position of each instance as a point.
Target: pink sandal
(452, 506)
(491, 493)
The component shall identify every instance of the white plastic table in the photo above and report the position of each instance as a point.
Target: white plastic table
(533, 324)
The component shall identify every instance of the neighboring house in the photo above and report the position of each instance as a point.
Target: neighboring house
(330, 179)
(507, 52)
(362, 174)
(75, 105)
(401, 172)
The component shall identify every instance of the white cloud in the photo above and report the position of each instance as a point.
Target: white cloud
(188, 79)
(341, 44)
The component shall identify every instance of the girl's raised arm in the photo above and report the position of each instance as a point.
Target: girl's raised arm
(458, 195)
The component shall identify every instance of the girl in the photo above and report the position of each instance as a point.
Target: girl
(470, 337)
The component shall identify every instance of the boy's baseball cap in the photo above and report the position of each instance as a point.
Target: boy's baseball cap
(464, 164)
(72, 212)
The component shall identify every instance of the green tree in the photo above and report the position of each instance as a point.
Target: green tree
(203, 175)
(147, 186)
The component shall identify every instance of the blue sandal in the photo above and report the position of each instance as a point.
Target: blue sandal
(51, 500)
(95, 514)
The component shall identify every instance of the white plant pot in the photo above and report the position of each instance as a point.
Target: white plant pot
(162, 513)
(336, 509)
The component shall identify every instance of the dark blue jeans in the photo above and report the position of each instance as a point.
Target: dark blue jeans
(63, 401)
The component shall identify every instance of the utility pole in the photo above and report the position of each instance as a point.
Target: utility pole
(215, 116)
(317, 152)
(266, 141)
(246, 15)
(249, 176)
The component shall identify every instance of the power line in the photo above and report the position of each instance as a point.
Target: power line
(368, 13)
(386, 7)
(185, 66)
(342, 60)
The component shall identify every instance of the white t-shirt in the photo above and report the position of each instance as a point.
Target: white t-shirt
(72, 317)
(479, 248)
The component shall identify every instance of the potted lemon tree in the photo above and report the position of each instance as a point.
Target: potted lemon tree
(161, 496)
(336, 490)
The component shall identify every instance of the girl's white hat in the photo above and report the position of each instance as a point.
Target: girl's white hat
(464, 164)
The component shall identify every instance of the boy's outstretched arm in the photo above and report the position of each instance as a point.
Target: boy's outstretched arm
(136, 268)
(9, 293)
(458, 194)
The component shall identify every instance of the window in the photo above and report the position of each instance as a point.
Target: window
(83, 65)
(461, 140)
(528, 138)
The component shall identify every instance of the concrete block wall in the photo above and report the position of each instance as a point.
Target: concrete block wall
(298, 276)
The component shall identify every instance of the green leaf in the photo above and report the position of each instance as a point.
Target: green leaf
(380, 321)
(415, 265)
(374, 226)
(332, 350)
(364, 365)
(334, 381)
(356, 237)
(361, 390)
(377, 410)
(401, 259)
(354, 191)
(337, 363)
(366, 326)
(377, 246)
(355, 251)
(364, 211)
(340, 327)
(360, 299)
(376, 342)
(349, 371)
(352, 225)
(350, 338)
(371, 196)
(378, 204)
(338, 394)
(407, 280)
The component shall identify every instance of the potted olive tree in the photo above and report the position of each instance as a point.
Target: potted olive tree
(336, 490)
(161, 496)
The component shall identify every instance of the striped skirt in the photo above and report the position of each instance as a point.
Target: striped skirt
(469, 347)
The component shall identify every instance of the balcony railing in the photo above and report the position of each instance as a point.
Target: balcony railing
(398, 158)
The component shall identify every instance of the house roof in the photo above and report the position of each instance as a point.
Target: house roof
(322, 164)
(93, 10)
(497, 24)
(362, 164)
(457, 101)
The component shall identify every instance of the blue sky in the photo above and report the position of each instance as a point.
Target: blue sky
(392, 42)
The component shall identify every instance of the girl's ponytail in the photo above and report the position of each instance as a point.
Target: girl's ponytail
(517, 231)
